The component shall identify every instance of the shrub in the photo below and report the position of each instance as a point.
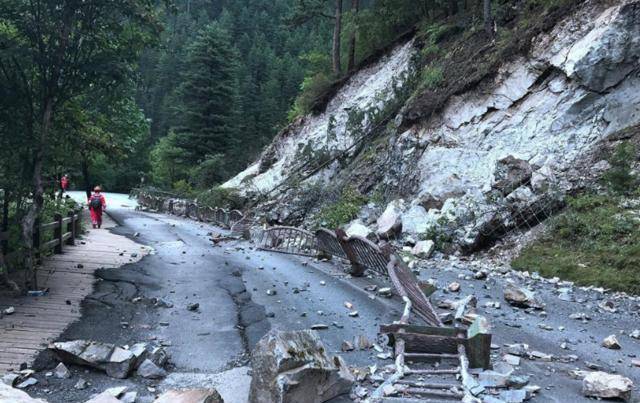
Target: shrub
(620, 179)
(220, 197)
(344, 210)
(313, 87)
(432, 77)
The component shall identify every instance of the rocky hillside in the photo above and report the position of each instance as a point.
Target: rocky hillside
(463, 166)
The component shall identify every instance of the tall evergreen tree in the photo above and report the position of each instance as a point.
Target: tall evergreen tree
(209, 94)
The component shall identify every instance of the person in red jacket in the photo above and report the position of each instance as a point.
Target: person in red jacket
(64, 183)
(97, 204)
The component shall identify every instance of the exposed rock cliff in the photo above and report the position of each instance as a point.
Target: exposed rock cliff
(489, 156)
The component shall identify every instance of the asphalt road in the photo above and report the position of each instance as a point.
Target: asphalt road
(230, 284)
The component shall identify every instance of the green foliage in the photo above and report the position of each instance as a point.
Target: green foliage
(311, 89)
(220, 197)
(594, 242)
(168, 161)
(342, 211)
(620, 179)
(431, 77)
(209, 94)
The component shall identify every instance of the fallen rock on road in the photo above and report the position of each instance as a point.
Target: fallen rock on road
(294, 367)
(607, 386)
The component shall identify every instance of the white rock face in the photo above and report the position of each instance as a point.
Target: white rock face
(576, 86)
(369, 89)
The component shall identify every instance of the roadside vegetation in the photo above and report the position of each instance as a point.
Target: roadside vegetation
(596, 240)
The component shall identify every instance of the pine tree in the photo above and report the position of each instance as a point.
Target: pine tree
(209, 94)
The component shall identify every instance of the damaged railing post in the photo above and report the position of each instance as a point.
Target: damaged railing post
(357, 269)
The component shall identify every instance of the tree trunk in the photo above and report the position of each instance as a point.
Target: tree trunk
(337, 30)
(86, 178)
(453, 7)
(4, 268)
(355, 8)
(34, 210)
(488, 20)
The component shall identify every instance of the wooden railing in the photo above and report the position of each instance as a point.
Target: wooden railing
(63, 230)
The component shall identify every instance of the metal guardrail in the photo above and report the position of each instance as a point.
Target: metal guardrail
(191, 209)
(290, 240)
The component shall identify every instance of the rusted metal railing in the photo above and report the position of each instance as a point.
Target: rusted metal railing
(290, 240)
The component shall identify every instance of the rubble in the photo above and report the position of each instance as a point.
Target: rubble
(607, 386)
(294, 366)
(116, 361)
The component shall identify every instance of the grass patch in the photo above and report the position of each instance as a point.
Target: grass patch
(596, 241)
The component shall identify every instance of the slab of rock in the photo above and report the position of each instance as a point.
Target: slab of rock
(190, 396)
(390, 222)
(120, 363)
(520, 297)
(294, 367)
(9, 394)
(607, 386)
(423, 249)
(148, 369)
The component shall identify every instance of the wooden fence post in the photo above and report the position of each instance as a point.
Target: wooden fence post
(57, 233)
(71, 227)
(77, 221)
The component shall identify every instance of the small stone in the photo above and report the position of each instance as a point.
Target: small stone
(611, 342)
(348, 305)
(26, 383)
(454, 287)
(385, 292)
(319, 326)
(353, 314)
(323, 283)
(62, 372)
(481, 274)
(347, 346)
(9, 311)
(272, 292)
(635, 334)
(193, 307)
(81, 384)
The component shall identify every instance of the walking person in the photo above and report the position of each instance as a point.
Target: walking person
(64, 184)
(97, 204)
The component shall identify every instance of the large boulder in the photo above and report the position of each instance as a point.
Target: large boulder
(293, 367)
(511, 173)
(416, 220)
(357, 228)
(390, 222)
(607, 386)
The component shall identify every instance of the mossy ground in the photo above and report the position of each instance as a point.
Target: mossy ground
(595, 241)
